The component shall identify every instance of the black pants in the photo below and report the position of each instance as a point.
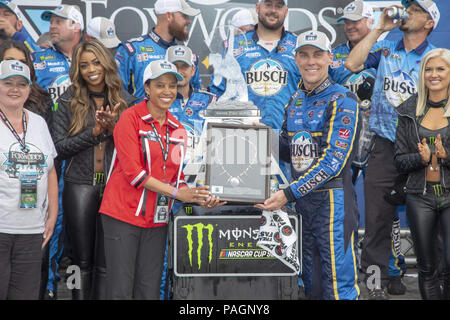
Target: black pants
(381, 175)
(425, 213)
(134, 257)
(20, 266)
(85, 234)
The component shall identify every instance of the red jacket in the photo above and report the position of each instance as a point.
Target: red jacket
(139, 157)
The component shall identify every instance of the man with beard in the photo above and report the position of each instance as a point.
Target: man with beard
(173, 19)
(266, 59)
(398, 65)
(11, 26)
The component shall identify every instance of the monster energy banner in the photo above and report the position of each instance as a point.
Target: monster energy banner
(225, 246)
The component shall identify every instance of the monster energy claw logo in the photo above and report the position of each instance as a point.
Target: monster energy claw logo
(199, 226)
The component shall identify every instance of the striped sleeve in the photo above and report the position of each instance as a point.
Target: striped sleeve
(131, 152)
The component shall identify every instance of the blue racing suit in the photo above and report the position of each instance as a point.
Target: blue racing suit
(271, 77)
(24, 36)
(52, 71)
(135, 54)
(317, 138)
(352, 81)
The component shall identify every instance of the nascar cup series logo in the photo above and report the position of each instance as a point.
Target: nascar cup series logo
(398, 87)
(266, 77)
(303, 151)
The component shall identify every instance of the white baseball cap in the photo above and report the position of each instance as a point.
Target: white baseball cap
(67, 12)
(427, 5)
(11, 6)
(164, 6)
(313, 38)
(243, 17)
(103, 30)
(9, 68)
(157, 68)
(357, 10)
(180, 53)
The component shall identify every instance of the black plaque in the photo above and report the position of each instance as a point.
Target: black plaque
(226, 246)
(238, 162)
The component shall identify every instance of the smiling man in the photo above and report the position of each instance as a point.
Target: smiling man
(319, 130)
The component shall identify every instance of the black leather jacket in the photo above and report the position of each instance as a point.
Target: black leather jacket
(407, 158)
(78, 150)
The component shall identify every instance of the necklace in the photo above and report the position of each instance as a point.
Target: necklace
(235, 178)
(434, 169)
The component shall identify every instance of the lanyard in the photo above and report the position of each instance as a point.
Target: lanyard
(165, 151)
(14, 132)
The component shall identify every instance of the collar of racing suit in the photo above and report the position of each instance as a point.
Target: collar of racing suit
(255, 37)
(153, 35)
(321, 87)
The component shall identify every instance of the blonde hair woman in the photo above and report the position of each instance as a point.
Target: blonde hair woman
(83, 124)
(422, 150)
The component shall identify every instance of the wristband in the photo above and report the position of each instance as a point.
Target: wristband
(174, 193)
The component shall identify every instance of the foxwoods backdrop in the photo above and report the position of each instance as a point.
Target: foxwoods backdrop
(207, 30)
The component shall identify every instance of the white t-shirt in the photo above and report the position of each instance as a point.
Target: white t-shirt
(14, 220)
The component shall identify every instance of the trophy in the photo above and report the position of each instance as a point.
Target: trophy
(234, 156)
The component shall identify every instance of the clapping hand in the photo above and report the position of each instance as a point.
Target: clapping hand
(440, 150)
(424, 151)
(107, 119)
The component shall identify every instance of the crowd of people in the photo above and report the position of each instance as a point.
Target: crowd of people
(95, 138)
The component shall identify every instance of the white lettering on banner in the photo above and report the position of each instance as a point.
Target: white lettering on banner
(89, 3)
(139, 13)
(237, 234)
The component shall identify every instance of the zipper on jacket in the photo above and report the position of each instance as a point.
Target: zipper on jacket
(418, 139)
(66, 169)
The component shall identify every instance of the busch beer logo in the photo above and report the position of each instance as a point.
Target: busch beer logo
(200, 236)
(399, 87)
(303, 151)
(59, 86)
(266, 77)
(313, 182)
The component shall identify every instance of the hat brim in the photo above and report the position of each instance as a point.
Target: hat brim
(16, 74)
(311, 44)
(110, 42)
(190, 12)
(351, 16)
(182, 60)
(46, 15)
(177, 75)
(3, 4)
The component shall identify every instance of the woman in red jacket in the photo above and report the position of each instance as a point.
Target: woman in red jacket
(147, 177)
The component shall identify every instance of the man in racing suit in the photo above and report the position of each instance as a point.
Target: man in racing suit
(135, 54)
(190, 102)
(358, 20)
(319, 130)
(267, 65)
